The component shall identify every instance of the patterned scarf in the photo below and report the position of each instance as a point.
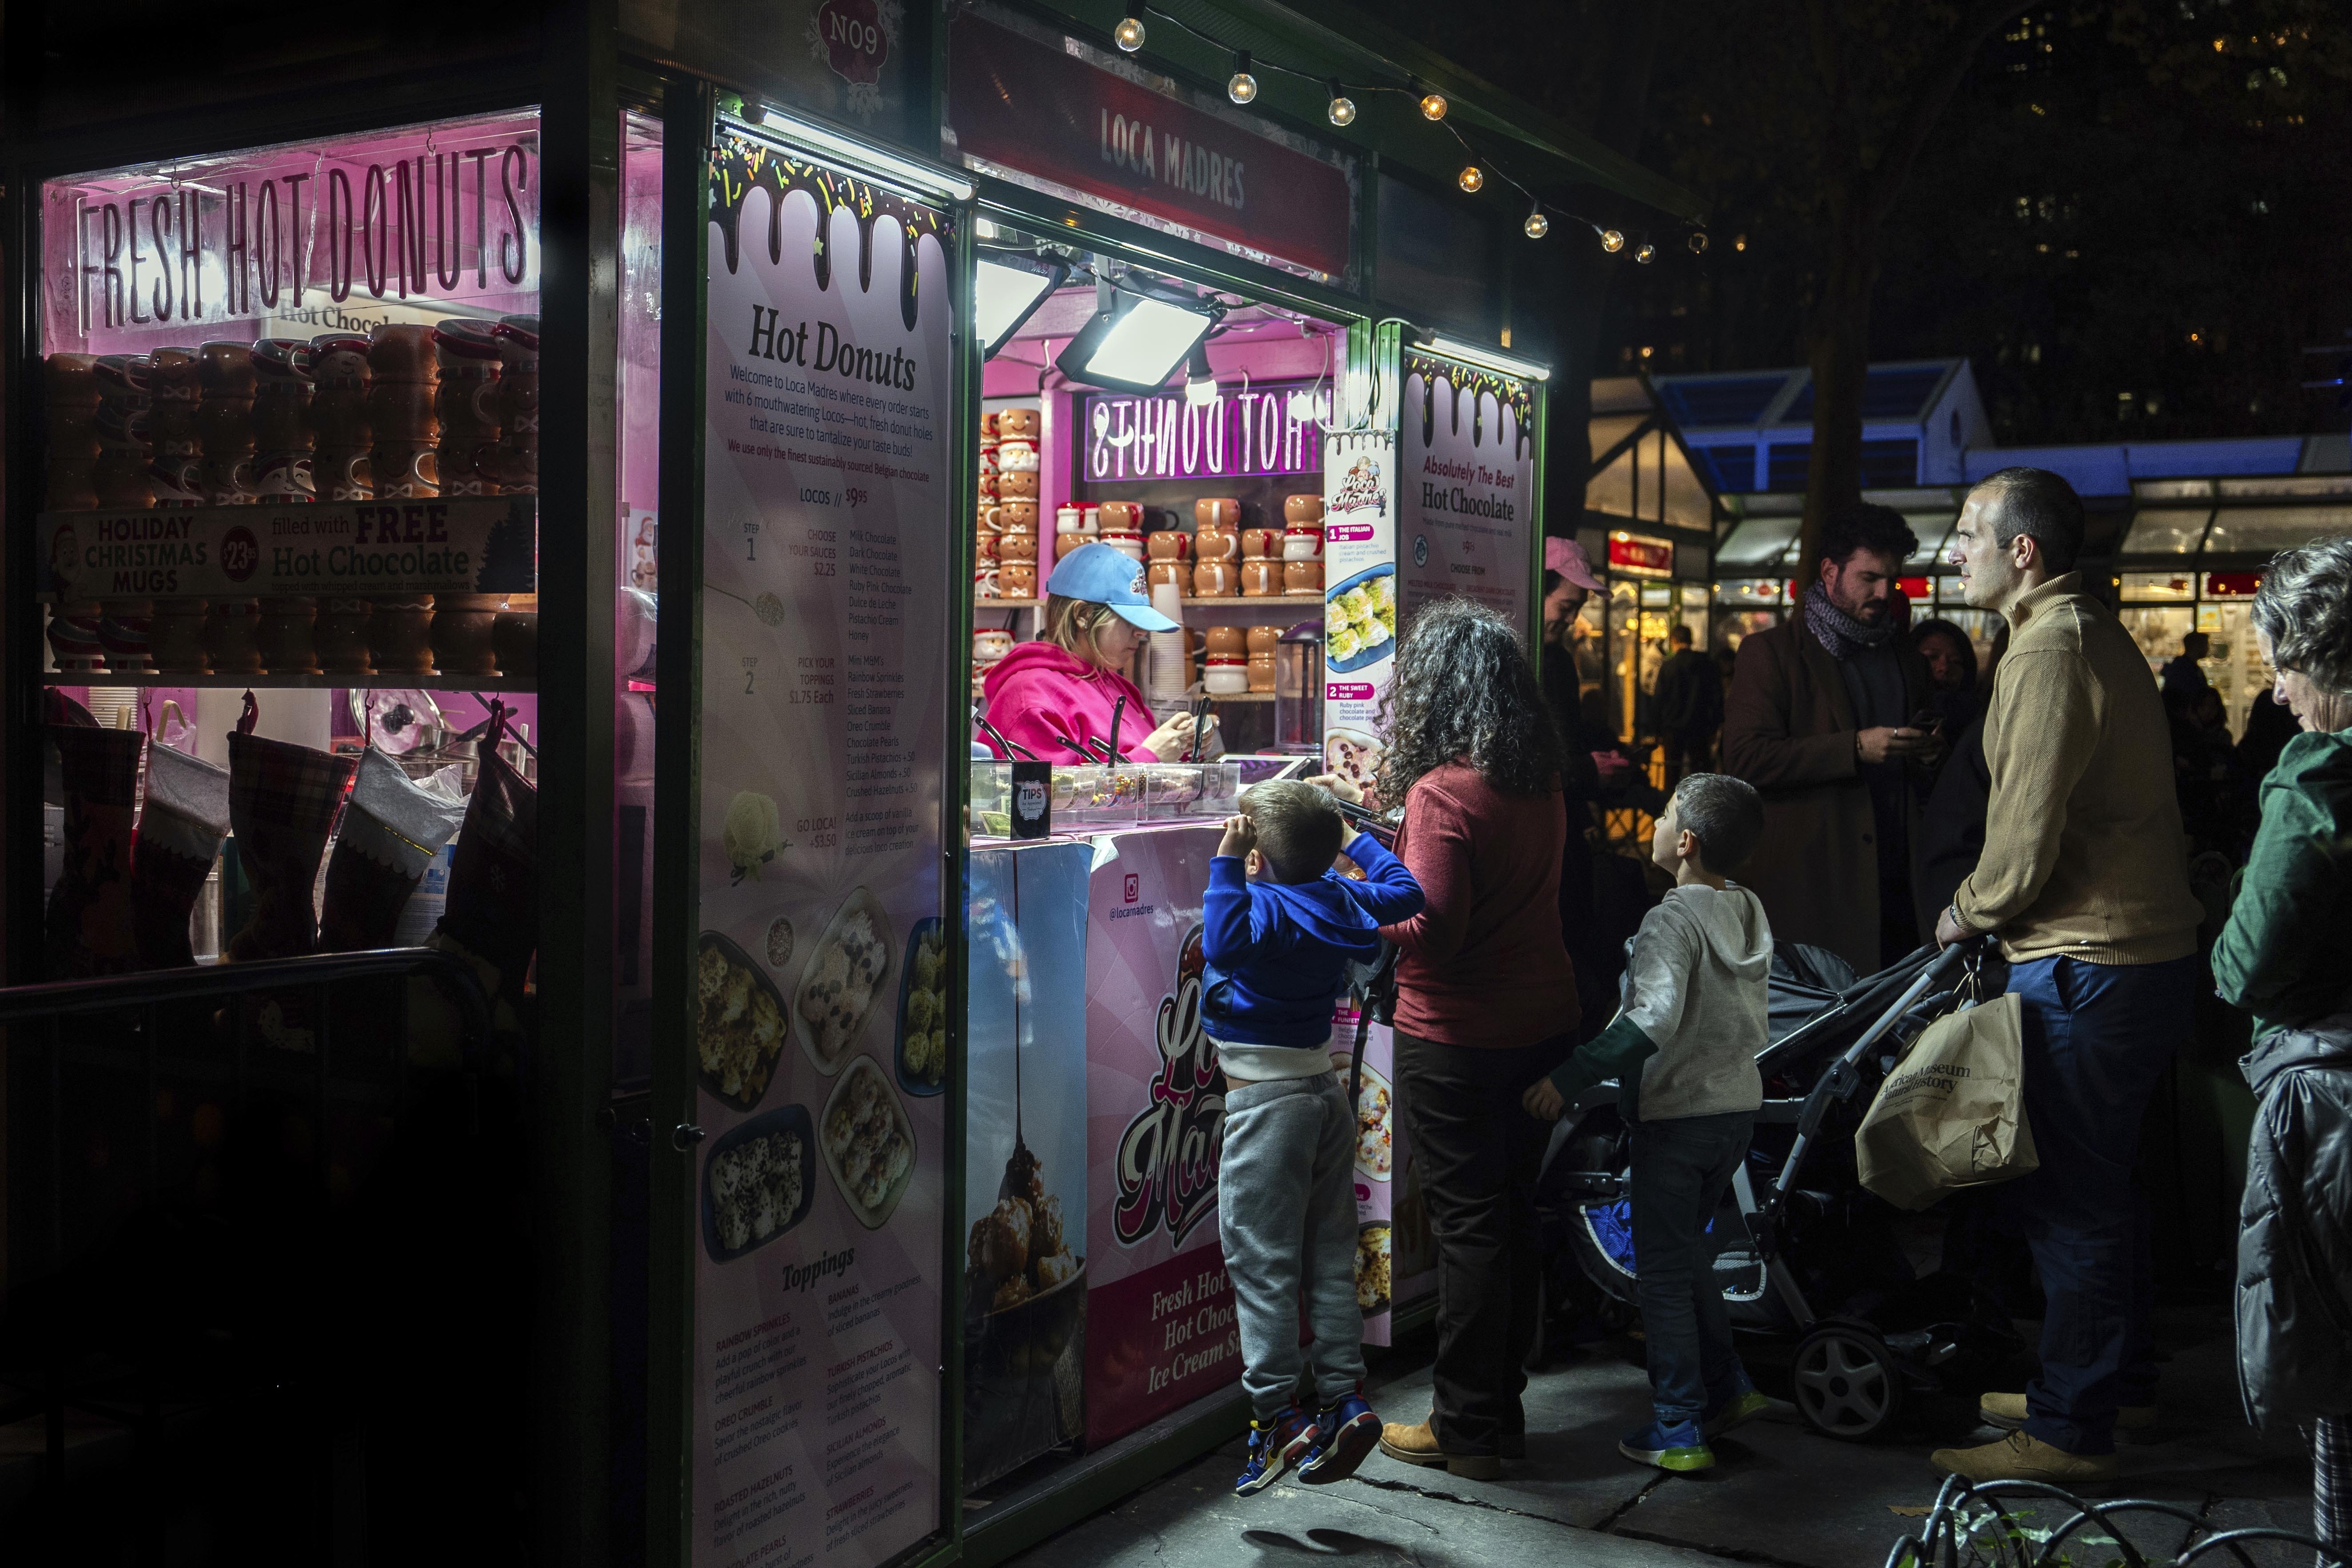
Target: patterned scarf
(1840, 633)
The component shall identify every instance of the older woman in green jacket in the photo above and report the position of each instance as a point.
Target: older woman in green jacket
(2285, 957)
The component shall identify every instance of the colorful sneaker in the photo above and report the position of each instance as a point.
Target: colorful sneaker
(1344, 1433)
(1734, 1413)
(1273, 1446)
(1676, 1448)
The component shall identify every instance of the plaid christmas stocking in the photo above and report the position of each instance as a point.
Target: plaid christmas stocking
(89, 920)
(282, 799)
(391, 830)
(180, 830)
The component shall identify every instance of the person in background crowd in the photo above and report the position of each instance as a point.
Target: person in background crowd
(2084, 879)
(1820, 722)
(1686, 706)
(2184, 672)
(1952, 824)
(1951, 661)
(2217, 796)
(1588, 771)
(1485, 1005)
(2269, 727)
(2285, 957)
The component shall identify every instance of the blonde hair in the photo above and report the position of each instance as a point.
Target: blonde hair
(1073, 625)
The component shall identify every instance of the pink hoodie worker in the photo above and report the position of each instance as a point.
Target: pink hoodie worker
(1055, 695)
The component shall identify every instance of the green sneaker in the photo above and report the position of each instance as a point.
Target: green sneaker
(1675, 1447)
(1735, 1413)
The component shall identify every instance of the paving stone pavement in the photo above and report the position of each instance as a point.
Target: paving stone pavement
(1780, 1494)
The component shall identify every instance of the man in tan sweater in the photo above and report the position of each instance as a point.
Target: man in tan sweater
(2083, 878)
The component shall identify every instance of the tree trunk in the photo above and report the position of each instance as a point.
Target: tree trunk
(1838, 347)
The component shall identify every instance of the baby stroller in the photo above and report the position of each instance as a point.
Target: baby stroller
(1806, 1256)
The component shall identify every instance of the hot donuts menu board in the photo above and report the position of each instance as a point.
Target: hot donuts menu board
(821, 990)
(1464, 487)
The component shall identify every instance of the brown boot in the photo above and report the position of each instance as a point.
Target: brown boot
(2007, 1410)
(1417, 1444)
(2021, 1457)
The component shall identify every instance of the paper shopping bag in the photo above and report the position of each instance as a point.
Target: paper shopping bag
(1952, 1113)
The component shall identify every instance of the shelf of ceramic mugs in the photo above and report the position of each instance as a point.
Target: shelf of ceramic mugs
(348, 505)
(339, 682)
(410, 639)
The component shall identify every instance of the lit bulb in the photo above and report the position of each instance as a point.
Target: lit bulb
(1343, 108)
(1698, 242)
(1611, 241)
(1128, 34)
(1537, 226)
(1432, 106)
(1472, 179)
(1647, 254)
(1199, 391)
(1242, 88)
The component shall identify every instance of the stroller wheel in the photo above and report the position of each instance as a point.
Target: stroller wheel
(1847, 1385)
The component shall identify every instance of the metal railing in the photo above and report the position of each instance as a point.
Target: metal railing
(128, 1095)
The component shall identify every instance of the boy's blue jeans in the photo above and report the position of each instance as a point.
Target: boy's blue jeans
(1682, 1168)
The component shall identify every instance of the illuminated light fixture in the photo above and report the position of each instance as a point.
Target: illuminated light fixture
(866, 162)
(1537, 226)
(1698, 242)
(1487, 359)
(1432, 106)
(1647, 254)
(1128, 34)
(1010, 286)
(1200, 381)
(1242, 88)
(1472, 178)
(1342, 110)
(1136, 341)
(1611, 241)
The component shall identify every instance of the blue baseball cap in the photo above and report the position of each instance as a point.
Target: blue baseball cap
(1101, 576)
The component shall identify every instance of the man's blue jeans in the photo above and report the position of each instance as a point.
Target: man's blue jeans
(2098, 1037)
(1682, 1168)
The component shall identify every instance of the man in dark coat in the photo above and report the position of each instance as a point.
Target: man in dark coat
(1687, 706)
(1818, 721)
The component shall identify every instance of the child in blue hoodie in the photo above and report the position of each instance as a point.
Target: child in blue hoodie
(1279, 928)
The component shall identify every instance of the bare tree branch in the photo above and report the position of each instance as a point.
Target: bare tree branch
(1927, 100)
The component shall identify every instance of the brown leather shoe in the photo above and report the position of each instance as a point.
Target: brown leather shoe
(2022, 1457)
(2007, 1410)
(1417, 1444)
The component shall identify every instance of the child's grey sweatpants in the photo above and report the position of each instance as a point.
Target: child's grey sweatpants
(1287, 1210)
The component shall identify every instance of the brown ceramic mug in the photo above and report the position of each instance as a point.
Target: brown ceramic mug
(1013, 547)
(1218, 579)
(1302, 576)
(1168, 544)
(1229, 640)
(1017, 579)
(1217, 511)
(1259, 543)
(1260, 577)
(1302, 509)
(1176, 572)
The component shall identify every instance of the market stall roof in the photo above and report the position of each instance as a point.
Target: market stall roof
(1763, 543)
(1642, 472)
(1335, 40)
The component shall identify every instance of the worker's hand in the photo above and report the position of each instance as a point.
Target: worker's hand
(1948, 928)
(1241, 837)
(1173, 740)
(1346, 789)
(1886, 743)
(1543, 1100)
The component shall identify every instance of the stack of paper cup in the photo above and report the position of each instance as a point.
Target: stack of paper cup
(1166, 673)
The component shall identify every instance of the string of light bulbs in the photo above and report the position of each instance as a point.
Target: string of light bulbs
(1242, 88)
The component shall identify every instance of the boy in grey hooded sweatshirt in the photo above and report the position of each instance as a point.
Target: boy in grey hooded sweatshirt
(1682, 1050)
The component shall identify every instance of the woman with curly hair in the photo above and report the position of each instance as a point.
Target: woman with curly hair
(2285, 957)
(1485, 1004)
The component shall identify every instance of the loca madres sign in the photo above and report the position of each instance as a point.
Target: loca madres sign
(1270, 429)
(1168, 1155)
